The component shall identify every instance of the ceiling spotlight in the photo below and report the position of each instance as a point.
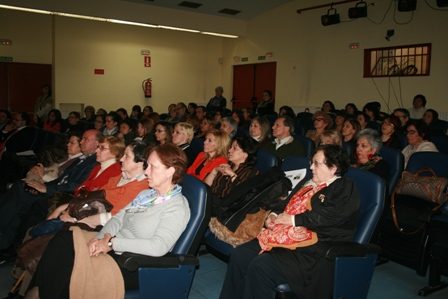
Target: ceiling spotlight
(332, 17)
(407, 5)
(359, 11)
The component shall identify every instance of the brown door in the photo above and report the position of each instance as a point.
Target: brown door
(21, 84)
(249, 82)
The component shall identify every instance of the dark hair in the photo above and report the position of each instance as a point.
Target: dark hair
(57, 114)
(421, 97)
(203, 108)
(404, 111)
(193, 105)
(137, 108)
(247, 145)
(354, 123)
(168, 129)
(355, 109)
(372, 106)
(268, 92)
(435, 114)
(288, 122)
(115, 117)
(75, 114)
(140, 151)
(420, 127)
(288, 111)
(131, 123)
(6, 111)
(172, 156)
(240, 115)
(395, 121)
(332, 107)
(335, 156)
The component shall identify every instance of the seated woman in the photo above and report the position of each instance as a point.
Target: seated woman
(435, 126)
(322, 209)
(389, 132)
(416, 134)
(163, 132)
(53, 122)
(145, 128)
(350, 128)
(215, 151)
(241, 166)
(368, 145)
(182, 136)
(321, 122)
(151, 224)
(119, 190)
(260, 130)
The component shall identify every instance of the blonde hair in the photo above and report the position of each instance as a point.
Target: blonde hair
(334, 136)
(187, 128)
(222, 141)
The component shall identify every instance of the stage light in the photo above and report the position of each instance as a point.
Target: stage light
(332, 17)
(359, 11)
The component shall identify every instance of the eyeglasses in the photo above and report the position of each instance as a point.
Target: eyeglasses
(102, 148)
(316, 163)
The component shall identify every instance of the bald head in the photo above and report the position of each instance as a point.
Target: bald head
(89, 141)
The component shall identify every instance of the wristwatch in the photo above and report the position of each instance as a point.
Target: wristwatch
(110, 242)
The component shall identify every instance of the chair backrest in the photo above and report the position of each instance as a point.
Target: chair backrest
(372, 192)
(200, 212)
(265, 160)
(296, 162)
(434, 160)
(395, 160)
(307, 143)
(196, 146)
(441, 142)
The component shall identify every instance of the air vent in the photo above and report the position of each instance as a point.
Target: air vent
(229, 11)
(190, 4)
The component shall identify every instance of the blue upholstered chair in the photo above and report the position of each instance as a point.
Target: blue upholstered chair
(355, 261)
(295, 162)
(395, 160)
(265, 160)
(434, 160)
(171, 276)
(307, 143)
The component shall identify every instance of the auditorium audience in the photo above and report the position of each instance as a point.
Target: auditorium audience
(260, 130)
(182, 136)
(389, 132)
(284, 144)
(321, 121)
(404, 117)
(163, 132)
(111, 125)
(330, 137)
(149, 225)
(266, 105)
(229, 126)
(218, 102)
(418, 107)
(435, 126)
(53, 123)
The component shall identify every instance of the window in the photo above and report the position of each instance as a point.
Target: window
(413, 60)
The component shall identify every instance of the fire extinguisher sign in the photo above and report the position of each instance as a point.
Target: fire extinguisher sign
(147, 61)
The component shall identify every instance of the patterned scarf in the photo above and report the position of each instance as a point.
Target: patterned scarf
(150, 197)
(289, 236)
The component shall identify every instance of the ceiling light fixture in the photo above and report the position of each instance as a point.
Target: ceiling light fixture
(115, 21)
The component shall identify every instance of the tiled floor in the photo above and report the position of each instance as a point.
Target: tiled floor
(390, 281)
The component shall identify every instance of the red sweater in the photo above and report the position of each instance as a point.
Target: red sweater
(120, 197)
(93, 183)
(208, 166)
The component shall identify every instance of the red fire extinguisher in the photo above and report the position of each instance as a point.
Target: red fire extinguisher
(147, 87)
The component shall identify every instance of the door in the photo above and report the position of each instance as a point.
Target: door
(21, 84)
(249, 82)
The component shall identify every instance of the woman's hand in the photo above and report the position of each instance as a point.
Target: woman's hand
(284, 218)
(225, 169)
(57, 212)
(100, 246)
(42, 188)
(270, 221)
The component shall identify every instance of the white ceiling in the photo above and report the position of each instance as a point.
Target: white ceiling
(248, 8)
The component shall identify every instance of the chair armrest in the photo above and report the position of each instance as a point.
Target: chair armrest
(349, 249)
(133, 261)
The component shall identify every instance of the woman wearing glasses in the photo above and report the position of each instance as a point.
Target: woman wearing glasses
(322, 209)
(163, 132)
(321, 121)
(416, 134)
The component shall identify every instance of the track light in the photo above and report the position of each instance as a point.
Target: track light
(332, 17)
(359, 11)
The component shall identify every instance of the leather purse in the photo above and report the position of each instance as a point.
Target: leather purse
(432, 189)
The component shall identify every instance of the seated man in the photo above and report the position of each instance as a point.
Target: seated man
(17, 202)
(284, 144)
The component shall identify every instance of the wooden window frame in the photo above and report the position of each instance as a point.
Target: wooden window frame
(394, 61)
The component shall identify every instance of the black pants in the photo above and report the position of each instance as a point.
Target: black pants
(55, 268)
(250, 275)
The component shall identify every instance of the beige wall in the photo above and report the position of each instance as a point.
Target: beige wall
(314, 63)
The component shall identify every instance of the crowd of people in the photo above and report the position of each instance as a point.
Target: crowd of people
(122, 154)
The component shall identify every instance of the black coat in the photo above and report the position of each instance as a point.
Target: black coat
(333, 217)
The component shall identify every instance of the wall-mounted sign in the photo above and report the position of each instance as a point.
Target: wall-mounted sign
(147, 61)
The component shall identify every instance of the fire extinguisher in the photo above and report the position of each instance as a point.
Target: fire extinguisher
(147, 87)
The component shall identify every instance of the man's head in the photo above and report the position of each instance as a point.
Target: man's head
(89, 141)
(419, 101)
(283, 127)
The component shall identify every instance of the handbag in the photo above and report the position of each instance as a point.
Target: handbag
(432, 189)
